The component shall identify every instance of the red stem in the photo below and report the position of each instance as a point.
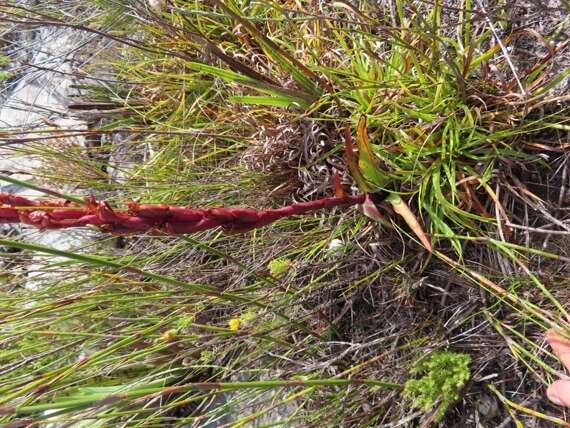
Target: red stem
(158, 218)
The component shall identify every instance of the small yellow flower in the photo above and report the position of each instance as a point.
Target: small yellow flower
(233, 324)
(169, 335)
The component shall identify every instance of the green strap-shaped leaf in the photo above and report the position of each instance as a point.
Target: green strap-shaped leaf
(367, 161)
(351, 159)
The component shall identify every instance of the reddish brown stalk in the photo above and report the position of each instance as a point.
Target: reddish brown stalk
(157, 218)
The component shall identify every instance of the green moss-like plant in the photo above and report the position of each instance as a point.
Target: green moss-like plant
(441, 377)
(279, 267)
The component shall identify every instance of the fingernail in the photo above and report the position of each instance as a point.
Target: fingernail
(553, 396)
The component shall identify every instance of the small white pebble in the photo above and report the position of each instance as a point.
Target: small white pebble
(335, 243)
(157, 5)
(335, 248)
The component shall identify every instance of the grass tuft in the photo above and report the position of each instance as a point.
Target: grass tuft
(448, 116)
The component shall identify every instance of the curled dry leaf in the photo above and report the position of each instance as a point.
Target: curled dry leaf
(402, 208)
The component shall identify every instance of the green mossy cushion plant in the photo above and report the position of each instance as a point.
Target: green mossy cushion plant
(442, 375)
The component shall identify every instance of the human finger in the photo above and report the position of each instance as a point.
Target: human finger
(560, 346)
(559, 393)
